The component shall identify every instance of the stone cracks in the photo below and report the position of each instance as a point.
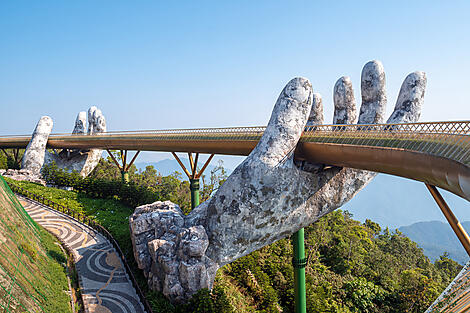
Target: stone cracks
(172, 256)
(269, 196)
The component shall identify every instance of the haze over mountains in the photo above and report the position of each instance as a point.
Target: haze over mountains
(407, 205)
(394, 201)
(435, 238)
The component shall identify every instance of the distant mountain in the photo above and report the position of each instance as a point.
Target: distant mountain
(436, 238)
(394, 201)
(169, 166)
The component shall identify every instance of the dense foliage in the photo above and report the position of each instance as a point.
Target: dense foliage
(353, 266)
(8, 160)
(130, 194)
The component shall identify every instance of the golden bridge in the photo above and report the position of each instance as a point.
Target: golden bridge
(435, 153)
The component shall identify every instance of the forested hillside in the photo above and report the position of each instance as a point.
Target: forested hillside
(353, 266)
(395, 201)
(436, 238)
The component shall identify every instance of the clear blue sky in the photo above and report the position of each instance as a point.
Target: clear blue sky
(172, 64)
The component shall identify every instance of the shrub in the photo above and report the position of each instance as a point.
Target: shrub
(130, 194)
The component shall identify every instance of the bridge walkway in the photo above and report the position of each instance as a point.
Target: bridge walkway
(104, 284)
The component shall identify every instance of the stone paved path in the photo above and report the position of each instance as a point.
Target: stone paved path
(104, 283)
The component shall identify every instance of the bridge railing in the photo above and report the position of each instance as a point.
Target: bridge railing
(444, 139)
(91, 223)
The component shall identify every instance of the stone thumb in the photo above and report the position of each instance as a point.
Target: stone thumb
(288, 119)
(33, 157)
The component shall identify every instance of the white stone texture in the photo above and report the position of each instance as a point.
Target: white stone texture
(80, 124)
(172, 257)
(345, 103)
(374, 96)
(267, 197)
(91, 110)
(33, 157)
(410, 99)
(316, 114)
(96, 121)
(82, 161)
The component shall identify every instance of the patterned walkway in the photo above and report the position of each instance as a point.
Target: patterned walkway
(104, 283)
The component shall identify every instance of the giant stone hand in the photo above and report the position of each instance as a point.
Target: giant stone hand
(83, 162)
(270, 195)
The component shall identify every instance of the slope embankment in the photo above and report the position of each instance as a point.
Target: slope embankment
(32, 265)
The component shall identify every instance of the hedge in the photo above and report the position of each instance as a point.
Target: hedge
(129, 193)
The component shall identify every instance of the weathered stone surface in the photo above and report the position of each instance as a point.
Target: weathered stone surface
(91, 111)
(316, 114)
(78, 160)
(33, 158)
(23, 175)
(172, 256)
(345, 103)
(374, 96)
(410, 100)
(96, 121)
(80, 124)
(266, 198)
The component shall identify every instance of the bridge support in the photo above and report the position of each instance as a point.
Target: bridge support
(194, 175)
(299, 262)
(16, 157)
(194, 187)
(124, 167)
(453, 221)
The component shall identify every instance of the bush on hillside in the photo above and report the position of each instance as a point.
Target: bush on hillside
(131, 194)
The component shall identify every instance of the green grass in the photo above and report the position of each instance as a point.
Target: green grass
(32, 262)
(354, 267)
(114, 216)
(110, 213)
(55, 270)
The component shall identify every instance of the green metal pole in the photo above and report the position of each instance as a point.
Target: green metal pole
(125, 177)
(194, 186)
(299, 261)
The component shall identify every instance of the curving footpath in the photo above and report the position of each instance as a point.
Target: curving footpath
(104, 284)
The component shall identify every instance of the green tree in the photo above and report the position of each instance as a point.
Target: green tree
(211, 184)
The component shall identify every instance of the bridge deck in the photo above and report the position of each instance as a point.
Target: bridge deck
(437, 153)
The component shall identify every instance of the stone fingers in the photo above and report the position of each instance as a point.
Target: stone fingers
(96, 121)
(316, 114)
(410, 99)
(347, 182)
(91, 111)
(80, 123)
(286, 124)
(33, 158)
(373, 93)
(345, 104)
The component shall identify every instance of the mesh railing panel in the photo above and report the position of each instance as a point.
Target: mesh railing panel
(449, 140)
(444, 139)
(22, 283)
